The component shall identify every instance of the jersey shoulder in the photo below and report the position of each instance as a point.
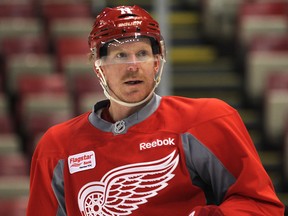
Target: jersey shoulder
(71, 125)
(212, 105)
(194, 110)
(57, 138)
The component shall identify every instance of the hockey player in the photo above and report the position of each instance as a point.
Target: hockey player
(138, 153)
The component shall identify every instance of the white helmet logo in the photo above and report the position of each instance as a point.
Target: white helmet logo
(123, 189)
(126, 10)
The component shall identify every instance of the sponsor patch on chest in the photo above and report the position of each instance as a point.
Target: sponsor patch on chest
(82, 161)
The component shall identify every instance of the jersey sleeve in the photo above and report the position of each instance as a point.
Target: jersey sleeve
(42, 199)
(233, 168)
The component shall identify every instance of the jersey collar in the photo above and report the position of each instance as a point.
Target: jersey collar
(121, 127)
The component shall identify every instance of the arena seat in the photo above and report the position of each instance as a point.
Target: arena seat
(13, 206)
(276, 106)
(24, 9)
(86, 91)
(15, 26)
(14, 164)
(13, 187)
(6, 124)
(74, 26)
(218, 18)
(10, 141)
(72, 56)
(25, 54)
(25, 64)
(33, 44)
(38, 125)
(4, 104)
(66, 19)
(265, 55)
(261, 18)
(44, 100)
(285, 156)
(43, 94)
(52, 10)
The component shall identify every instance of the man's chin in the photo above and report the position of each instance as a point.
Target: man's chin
(136, 99)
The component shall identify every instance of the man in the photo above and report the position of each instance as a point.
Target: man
(141, 154)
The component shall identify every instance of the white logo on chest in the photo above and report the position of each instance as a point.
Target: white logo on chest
(123, 189)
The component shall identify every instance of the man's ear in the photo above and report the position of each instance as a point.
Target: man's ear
(156, 64)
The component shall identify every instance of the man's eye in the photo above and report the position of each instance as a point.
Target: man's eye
(142, 53)
(121, 55)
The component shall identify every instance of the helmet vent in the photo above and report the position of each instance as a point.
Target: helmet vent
(102, 30)
(153, 26)
(127, 15)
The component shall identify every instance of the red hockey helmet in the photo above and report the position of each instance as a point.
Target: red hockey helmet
(123, 22)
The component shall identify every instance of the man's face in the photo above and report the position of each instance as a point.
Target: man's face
(130, 68)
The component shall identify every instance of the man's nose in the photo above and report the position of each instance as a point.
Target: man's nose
(133, 63)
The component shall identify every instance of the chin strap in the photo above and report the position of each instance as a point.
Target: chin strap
(106, 88)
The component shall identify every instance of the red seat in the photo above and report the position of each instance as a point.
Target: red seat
(4, 104)
(22, 45)
(261, 18)
(12, 46)
(52, 11)
(13, 206)
(1, 84)
(43, 94)
(285, 156)
(39, 84)
(44, 100)
(217, 18)
(38, 125)
(264, 8)
(27, 54)
(278, 81)
(18, 10)
(6, 124)
(15, 164)
(269, 43)
(13, 187)
(72, 50)
(68, 18)
(10, 141)
(265, 55)
(276, 106)
(86, 91)
(19, 19)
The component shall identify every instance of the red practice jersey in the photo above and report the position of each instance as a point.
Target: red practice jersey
(171, 156)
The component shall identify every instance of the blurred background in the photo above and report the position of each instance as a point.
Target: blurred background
(233, 50)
